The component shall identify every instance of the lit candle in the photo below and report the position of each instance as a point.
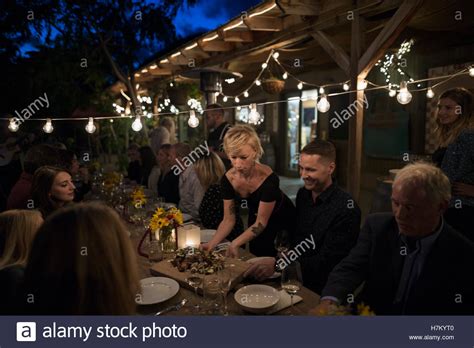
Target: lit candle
(189, 235)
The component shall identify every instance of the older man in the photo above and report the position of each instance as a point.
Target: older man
(411, 261)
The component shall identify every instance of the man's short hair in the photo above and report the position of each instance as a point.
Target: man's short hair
(182, 149)
(216, 107)
(322, 148)
(427, 176)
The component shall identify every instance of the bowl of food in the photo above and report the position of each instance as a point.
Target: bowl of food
(257, 298)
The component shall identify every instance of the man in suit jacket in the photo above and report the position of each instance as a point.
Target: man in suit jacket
(411, 261)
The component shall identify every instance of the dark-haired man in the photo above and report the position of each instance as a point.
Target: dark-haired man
(327, 219)
(217, 130)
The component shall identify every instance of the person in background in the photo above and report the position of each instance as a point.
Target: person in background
(80, 175)
(168, 183)
(154, 176)
(147, 162)
(257, 186)
(90, 267)
(134, 169)
(52, 189)
(163, 134)
(209, 170)
(455, 155)
(217, 131)
(190, 190)
(36, 156)
(410, 261)
(325, 215)
(17, 230)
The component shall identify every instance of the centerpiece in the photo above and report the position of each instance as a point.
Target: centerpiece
(163, 225)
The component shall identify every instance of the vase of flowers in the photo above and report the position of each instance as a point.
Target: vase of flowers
(163, 225)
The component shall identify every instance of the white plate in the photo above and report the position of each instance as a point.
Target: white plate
(156, 290)
(186, 217)
(255, 259)
(206, 235)
(257, 298)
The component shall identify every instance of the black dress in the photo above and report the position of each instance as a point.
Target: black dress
(168, 187)
(211, 211)
(282, 217)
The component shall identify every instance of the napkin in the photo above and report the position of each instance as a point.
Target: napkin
(285, 302)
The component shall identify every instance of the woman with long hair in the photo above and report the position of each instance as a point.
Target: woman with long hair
(82, 263)
(52, 188)
(255, 186)
(17, 231)
(455, 155)
(209, 170)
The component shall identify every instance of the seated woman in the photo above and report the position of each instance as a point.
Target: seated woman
(168, 183)
(256, 186)
(147, 162)
(80, 174)
(455, 155)
(17, 230)
(89, 268)
(209, 170)
(52, 189)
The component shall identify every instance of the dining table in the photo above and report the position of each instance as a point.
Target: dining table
(310, 299)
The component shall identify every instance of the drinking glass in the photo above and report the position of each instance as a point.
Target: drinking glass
(212, 294)
(225, 275)
(195, 281)
(282, 242)
(291, 280)
(154, 252)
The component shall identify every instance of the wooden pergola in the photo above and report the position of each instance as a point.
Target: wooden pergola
(352, 35)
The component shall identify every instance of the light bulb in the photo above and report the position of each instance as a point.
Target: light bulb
(285, 75)
(345, 86)
(362, 84)
(246, 94)
(13, 126)
(404, 95)
(264, 65)
(224, 99)
(254, 116)
(276, 55)
(171, 84)
(48, 127)
(257, 82)
(430, 93)
(323, 104)
(237, 100)
(193, 121)
(111, 121)
(300, 85)
(137, 124)
(392, 93)
(471, 71)
(90, 127)
(321, 90)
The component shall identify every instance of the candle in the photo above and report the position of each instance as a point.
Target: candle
(189, 235)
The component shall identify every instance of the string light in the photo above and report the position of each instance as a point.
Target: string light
(90, 127)
(224, 99)
(48, 127)
(345, 86)
(193, 121)
(362, 84)
(264, 65)
(246, 94)
(237, 100)
(276, 55)
(258, 82)
(137, 124)
(430, 94)
(254, 116)
(321, 90)
(392, 93)
(300, 85)
(404, 96)
(285, 75)
(323, 104)
(471, 71)
(13, 126)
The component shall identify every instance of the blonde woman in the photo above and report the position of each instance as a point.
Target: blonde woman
(82, 263)
(455, 155)
(17, 230)
(256, 186)
(209, 170)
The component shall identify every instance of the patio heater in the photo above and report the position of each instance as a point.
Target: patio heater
(211, 80)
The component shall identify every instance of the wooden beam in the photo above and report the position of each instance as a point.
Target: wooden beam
(216, 46)
(335, 51)
(388, 35)
(264, 23)
(237, 36)
(300, 7)
(161, 72)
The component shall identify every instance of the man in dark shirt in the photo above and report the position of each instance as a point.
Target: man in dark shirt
(218, 128)
(327, 219)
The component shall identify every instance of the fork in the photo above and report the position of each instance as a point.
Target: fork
(175, 307)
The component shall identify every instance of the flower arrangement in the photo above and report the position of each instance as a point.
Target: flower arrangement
(164, 223)
(111, 180)
(138, 197)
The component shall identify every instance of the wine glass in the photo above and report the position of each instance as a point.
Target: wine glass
(282, 242)
(154, 252)
(225, 275)
(195, 281)
(291, 280)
